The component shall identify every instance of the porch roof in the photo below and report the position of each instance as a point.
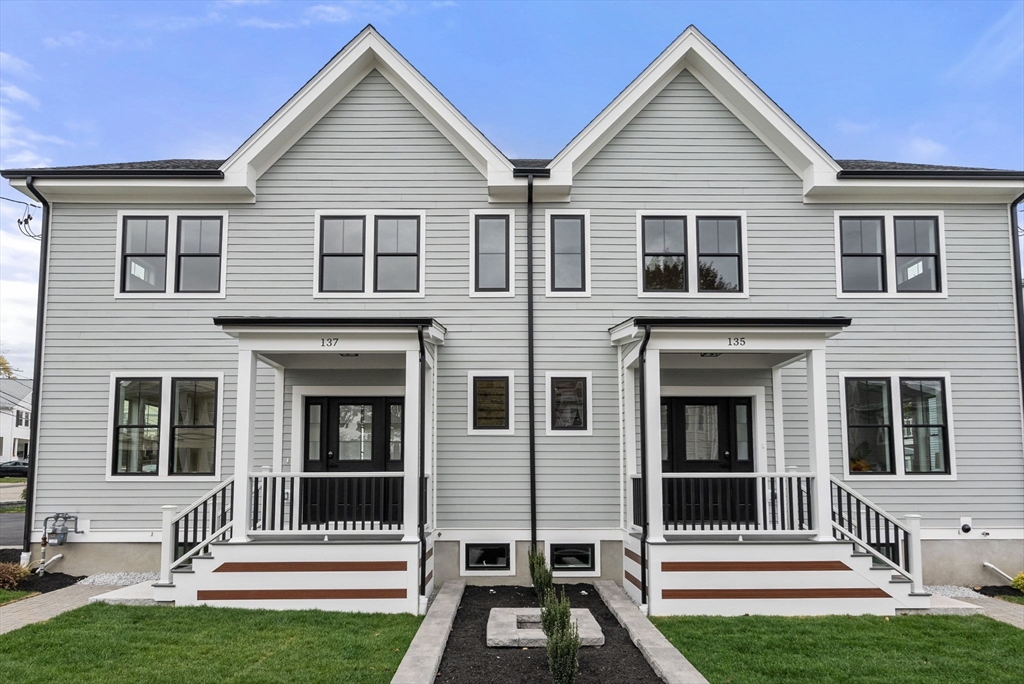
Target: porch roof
(322, 322)
(628, 330)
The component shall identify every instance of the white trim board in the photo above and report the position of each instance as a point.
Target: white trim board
(758, 406)
(548, 430)
(894, 405)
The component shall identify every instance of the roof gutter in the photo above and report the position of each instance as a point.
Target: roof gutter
(37, 368)
(13, 174)
(644, 526)
(1017, 290)
(421, 422)
(993, 175)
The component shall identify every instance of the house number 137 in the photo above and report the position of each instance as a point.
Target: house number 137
(328, 341)
(737, 341)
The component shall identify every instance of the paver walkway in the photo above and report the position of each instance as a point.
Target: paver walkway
(45, 606)
(998, 609)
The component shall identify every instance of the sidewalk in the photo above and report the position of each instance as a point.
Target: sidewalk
(45, 606)
(998, 609)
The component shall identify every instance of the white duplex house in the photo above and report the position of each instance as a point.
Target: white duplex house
(693, 353)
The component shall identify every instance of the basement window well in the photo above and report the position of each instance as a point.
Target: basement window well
(488, 557)
(572, 558)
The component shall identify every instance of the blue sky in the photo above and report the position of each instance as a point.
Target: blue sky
(94, 82)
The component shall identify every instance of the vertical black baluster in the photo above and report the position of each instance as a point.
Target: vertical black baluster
(888, 544)
(764, 504)
(860, 530)
(789, 502)
(729, 485)
(273, 501)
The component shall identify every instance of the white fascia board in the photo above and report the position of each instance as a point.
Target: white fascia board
(366, 52)
(912, 191)
(138, 190)
(697, 54)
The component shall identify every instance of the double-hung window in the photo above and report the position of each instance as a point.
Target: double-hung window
(897, 424)
(171, 254)
(165, 425)
(568, 255)
(362, 254)
(691, 255)
(491, 257)
(884, 254)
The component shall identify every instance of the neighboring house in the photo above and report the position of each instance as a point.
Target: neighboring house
(752, 365)
(15, 412)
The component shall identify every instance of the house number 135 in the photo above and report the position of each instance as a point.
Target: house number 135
(737, 341)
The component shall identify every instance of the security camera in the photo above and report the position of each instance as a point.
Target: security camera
(965, 528)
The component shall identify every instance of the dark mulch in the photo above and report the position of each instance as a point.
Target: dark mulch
(999, 590)
(467, 658)
(51, 581)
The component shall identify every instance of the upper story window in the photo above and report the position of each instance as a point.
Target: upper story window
(568, 254)
(691, 255)
(491, 260)
(362, 254)
(882, 254)
(165, 426)
(171, 254)
(21, 418)
(897, 424)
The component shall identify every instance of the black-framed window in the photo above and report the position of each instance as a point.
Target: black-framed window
(397, 254)
(491, 402)
(342, 253)
(573, 557)
(488, 557)
(200, 242)
(869, 426)
(925, 429)
(568, 254)
(664, 253)
(569, 403)
(193, 426)
(493, 248)
(917, 254)
(144, 258)
(137, 426)
(862, 245)
(719, 254)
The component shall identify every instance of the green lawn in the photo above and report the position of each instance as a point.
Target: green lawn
(924, 649)
(8, 595)
(1014, 599)
(12, 508)
(106, 644)
(13, 480)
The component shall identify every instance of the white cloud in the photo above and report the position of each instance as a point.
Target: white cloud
(922, 150)
(328, 13)
(20, 146)
(73, 39)
(999, 49)
(333, 13)
(12, 93)
(847, 127)
(9, 64)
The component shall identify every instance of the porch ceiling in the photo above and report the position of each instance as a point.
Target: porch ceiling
(342, 361)
(725, 360)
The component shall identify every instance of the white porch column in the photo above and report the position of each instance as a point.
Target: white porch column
(915, 560)
(167, 543)
(245, 403)
(652, 392)
(817, 441)
(411, 445)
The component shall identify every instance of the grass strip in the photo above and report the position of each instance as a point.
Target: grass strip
(911, 649)
(110, 644)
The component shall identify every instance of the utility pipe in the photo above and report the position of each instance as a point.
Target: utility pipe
(37, 370)
(992, 567)
(529, 364)
(1018, 276)
(423, 480)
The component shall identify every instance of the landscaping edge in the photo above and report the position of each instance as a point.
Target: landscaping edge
(422, 660)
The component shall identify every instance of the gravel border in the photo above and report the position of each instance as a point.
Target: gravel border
(952, 591)
(120, 579)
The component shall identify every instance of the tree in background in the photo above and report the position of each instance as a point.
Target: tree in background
(5, 368)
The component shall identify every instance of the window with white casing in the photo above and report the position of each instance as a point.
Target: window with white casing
(491, 403)
(171, 254)
(890, 254)
(897, 424)
(492, 254)
(691, 254)
(165, 425)
(569, 403)
(369, 254)
(567, 253)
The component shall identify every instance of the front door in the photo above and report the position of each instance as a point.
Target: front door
(352, 435)
(708, 435)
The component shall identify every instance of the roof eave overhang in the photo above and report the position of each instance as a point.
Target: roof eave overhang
(906, 189)
(241, 326)
(633, 328)
(136, 190)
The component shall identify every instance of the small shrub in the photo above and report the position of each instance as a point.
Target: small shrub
(563, 652)
(12, 574)
(540, 574)
(1018, 582)
(24, 493)
(556, 613)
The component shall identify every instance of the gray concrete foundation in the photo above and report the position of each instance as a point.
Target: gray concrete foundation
(446, 566)
(959, 561)
(95, 557)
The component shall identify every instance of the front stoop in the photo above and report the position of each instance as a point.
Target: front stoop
(421, 661)
(664, 658)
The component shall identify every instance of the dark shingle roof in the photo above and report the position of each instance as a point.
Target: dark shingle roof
(868, 168)
(157, 168)
(530, 163)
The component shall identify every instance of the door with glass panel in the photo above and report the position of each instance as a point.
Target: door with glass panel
(352, 435)
(708, 435)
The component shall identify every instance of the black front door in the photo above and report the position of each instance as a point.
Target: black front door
(707, 435)
(352, 435)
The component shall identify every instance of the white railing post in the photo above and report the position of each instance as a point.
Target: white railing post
(652, 390)
(167, 543)
(411, 447)
(817, 442)
(916, 573)
(245, 401)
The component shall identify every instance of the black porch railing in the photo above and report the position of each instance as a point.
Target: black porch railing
(638, 501)
(203, 523)
(856, 519)
(738, 502)
(321, 502)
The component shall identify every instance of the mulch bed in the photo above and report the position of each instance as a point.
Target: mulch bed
(467, 658)
(999, 590)
(51, 581)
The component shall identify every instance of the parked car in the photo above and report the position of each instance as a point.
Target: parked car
(14, 469)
